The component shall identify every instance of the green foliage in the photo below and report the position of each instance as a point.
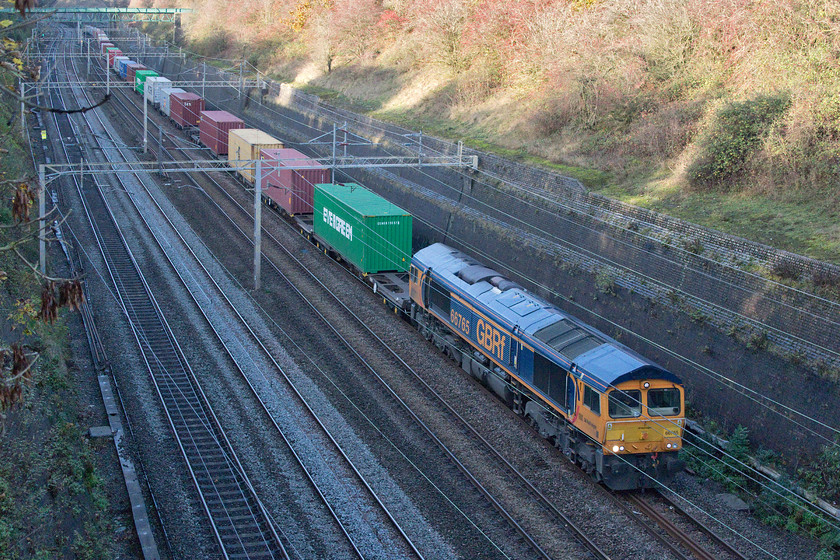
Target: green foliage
(758, 341)
(770, 504)
(737, 131)
(605, 282)
(822, 477)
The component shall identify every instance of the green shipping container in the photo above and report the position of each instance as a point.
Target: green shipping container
(363, 227)
(140, 79)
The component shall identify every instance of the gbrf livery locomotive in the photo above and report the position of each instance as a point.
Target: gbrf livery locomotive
(615, 413)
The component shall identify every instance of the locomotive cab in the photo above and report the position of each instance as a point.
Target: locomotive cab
(642, 433)
(644, 417)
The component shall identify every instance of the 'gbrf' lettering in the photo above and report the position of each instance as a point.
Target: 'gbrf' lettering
(490, 338)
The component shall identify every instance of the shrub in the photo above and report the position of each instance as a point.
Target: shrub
(823, 476)
(786, 270)
(735, 134)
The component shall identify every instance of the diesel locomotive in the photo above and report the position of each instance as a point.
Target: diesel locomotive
(615, 413)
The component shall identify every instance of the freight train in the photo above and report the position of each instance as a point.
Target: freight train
(610, 410)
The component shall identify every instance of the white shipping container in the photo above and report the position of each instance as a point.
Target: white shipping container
(165, 93)
(117, 62)
(152, 88)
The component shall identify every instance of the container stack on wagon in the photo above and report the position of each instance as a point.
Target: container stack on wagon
(368, 231)
(165, 101)
(110, 53)
(116, 62)
(291, 189)
(140, 79)
(214, 127)
(154, 89)
(131, 69)
(185, 108)
(245, 144)
(122, 67)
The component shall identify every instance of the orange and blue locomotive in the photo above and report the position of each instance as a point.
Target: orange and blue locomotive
(613, 412)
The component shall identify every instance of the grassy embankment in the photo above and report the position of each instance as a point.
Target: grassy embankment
(721, 113)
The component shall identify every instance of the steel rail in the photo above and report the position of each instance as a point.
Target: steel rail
(95, 345)
(224, 490)
(702, 527)
(697, 550)
(565, 521)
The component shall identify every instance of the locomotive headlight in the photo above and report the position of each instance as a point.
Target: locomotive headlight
(621, 448)
(646, 385)
(668, 445)
(616, 448)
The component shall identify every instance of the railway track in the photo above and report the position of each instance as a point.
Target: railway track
(559, 518)
(411, 548)
(523, 533)
(687, 537)
(238, 518)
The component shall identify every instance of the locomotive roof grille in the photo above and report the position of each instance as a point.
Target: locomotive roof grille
(568, 339)
(476, 273)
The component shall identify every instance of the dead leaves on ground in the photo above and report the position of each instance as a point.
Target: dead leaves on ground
(22, 203)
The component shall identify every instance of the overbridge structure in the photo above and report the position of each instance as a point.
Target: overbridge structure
(107, 15)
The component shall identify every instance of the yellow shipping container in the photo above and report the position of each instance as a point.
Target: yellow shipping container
(245, 144)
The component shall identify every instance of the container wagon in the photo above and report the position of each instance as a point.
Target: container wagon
(122, 67)
(140, 79)
(367, 231)
(291, 189)
(185, 108)
(153, 89)
(103, 47)
(110, 55)
(214, 127)
(165, 101)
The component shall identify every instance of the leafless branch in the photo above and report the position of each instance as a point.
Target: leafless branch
(34, 268)
(32, 221)
(16, 181)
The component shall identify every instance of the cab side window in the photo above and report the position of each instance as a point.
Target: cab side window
(592, 399)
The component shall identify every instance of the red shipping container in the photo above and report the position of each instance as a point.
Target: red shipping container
(131, 69)
(111, 55)
(185, 108)
(292, 189)
(103, 47)
(214, 127)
